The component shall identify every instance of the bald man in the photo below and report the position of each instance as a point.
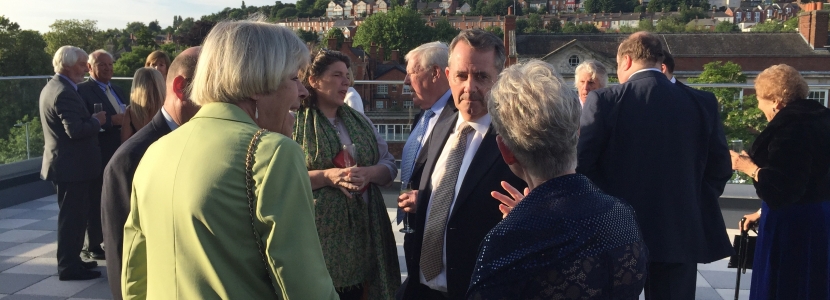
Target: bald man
(118, 175)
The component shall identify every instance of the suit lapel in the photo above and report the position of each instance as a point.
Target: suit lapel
(447, 112)
(486, 155)
(160, 124)
(436, 143)
(103, 97)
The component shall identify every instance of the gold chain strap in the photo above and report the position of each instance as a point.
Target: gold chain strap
(249, 184)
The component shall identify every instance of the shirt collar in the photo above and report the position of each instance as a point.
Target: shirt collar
(647, 69)
(673, 80)
(441, 103)
(481, 125)
(101, 84)
(74, 85)
(169, 119)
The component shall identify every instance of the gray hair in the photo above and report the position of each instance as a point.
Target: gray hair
(99, 51)
(66, 56)
(537, 116)
(482, 41)
(240, 59)
(430, 54)
(596, 69)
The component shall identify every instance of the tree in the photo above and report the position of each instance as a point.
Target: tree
(154, 27)
(771, 25)
(791, 24)
(399, 29)
(600, 6)
(741, 117)
(82, 34)
(495, 30)
(337, 34)
(243, 5)
(570, 27)
(444, 31)
(307, 36)
(627, 29)
(554, 25)
(197, 33)
(145, 38)
(726, 27)
(14, 148)
(286, 12)
(535, 24)
(670, 24)
(131, 61)
(646, 25)
(521, 26)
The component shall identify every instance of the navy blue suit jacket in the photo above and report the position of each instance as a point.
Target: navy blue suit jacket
(661, 147)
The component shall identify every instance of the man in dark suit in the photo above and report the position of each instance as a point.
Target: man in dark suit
(659, 147)
(454, 208)
(99, 90)
(118, 175)
(71, 158)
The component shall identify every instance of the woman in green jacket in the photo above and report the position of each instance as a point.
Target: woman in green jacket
(207, 223)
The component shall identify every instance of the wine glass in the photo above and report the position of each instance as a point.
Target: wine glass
(98, 107)
(738, 147)
(406, 187)
(350, 162)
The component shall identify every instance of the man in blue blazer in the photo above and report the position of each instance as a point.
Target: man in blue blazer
(660, 147)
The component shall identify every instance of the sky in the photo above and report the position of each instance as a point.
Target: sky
(39, 14)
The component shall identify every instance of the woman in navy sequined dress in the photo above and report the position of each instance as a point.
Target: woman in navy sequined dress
(566, 239)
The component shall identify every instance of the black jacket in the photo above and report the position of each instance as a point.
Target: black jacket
(793, 153)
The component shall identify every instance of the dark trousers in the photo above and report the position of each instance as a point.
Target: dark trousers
(94, 236)
(671, 281)
(423, 292)
(74, 201)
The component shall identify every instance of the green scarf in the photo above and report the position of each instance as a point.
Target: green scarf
(356, 237)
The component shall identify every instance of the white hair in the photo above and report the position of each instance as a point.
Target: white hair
(596, 69)
(99, 51)
(66, 56)
(240, 59)
(537, 116)
(430, 54)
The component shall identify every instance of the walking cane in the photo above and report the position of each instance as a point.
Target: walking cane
(742, 244)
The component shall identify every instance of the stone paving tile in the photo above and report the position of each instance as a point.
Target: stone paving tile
(21, 236)
(6, 245)
(10, 283)
(87, 298)
(36, 214)
(51, 199)
(32, 297)
(7, 262)
(37, 266)
(53, 206)
(716, 265)
(703, 293)
(29, 250)
(13, 223)
(51, 286)
(100, 290)
(8, 212)
(726, 279)
(55, 218)
(730, 294)
(31, 205)
(2, 296)
(42, 225)
(701, 282)
(51, 237)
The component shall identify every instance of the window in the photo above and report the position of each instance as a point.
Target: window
(818, 95)
(573, 60)
(394, 132)
(757, 17)
(394, 103)
(407, 104)
(379, 104)
(407, 90)
(394, 88)
(383, 89)
(738, 17)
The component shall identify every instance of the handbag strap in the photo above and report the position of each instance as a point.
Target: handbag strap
(249, 185)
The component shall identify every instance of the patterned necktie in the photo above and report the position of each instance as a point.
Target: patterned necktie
(413, 146)
(432, 249)
(113, 101)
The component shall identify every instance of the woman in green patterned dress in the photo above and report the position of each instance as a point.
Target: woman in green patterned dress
(354, 228)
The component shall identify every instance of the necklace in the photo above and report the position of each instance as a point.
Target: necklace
(336, 129)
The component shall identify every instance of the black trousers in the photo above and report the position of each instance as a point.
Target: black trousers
(423, 292)
(94, 233)
(671, 281)
(74, 201)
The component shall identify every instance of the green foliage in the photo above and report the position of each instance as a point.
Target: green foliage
(627, 29)
(535, 24)
(145, 38)
(607, 6)
(741, 117)
(82, 34)
(495, 7)
(771, 25)
(13, 148)
(670, 24)
(495, 30)
(521, 26)
(646, 25)
(286, 12)
(791, 25)
(444, 31)
(197, 33)
(154, 27)
(337, 34)
(307, 36)
(554, 25)
(726, 27)
(131, 61)
(399, 29)
(570, 27)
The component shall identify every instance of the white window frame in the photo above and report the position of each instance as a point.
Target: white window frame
(383, 89)
(407, 90)
(379, 104)
(394, 132)
(818, 95)
(408, 104)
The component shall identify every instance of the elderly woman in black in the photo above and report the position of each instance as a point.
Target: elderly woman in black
(566, 237)
(790, 164)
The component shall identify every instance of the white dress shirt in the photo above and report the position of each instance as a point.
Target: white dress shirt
(673, 80)
(170, 123)
(480, 126)
(646, 69)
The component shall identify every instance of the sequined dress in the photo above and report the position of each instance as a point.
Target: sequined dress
(565, 240)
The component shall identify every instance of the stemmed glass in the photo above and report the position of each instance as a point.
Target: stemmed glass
(350, 162)
(98, 107)
(738, 147)
(406, 187)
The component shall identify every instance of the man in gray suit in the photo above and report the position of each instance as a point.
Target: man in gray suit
(71, 157)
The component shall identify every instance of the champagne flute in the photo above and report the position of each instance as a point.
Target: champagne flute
(406, 187)
(738, 147)
(350, 162)
(98, 107)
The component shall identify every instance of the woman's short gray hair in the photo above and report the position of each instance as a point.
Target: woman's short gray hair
(66, 56)
(240, 59)
(430, 54)
(596, 69)
(537, 116)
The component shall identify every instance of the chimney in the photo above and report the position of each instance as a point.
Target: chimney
(394, 57)
(373, 51)
(381, 57)
(347, 46)
(463, 18)
(813, 27)
(332, 44)
(509, 35)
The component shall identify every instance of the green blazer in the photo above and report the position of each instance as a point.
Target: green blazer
(189, 233)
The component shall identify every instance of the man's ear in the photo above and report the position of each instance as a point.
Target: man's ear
(506, 154)
(179, 85)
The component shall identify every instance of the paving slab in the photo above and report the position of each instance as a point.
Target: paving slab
(11, 283)
(703, 293)
(8, 212)
(730, 294)
(99, 290)
(51, 237)
(6, 245)
(21, 235)
(7, 262)
(29, 250)
(32, 297)
(13, 223)
(53, 207)
(726, 279)
(36, 214)
(51, 286)
(36, 266)
(42, 225)
(30, 205)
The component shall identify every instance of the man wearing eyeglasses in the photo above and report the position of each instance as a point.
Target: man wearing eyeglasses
(118, 174)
